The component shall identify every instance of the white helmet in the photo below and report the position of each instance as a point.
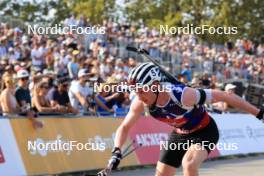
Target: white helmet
(145, 74)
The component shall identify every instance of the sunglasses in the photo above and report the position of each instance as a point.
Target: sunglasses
(24, 79)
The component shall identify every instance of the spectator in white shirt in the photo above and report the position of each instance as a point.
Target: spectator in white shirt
(37, 55)
(79, 92)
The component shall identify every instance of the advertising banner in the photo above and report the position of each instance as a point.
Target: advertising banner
(10, 158)
(239, 134)
(75, 144)
(66, 144)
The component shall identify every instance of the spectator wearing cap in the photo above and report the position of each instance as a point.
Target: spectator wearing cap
(223, 106)
(22, 93)
(10, 105)
(79, 92)
(229, 89)
(60, 97)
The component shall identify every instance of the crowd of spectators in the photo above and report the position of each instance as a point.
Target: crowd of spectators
(56, 74)
(237, 59)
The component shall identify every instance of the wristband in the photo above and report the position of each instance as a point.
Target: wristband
(116, 150)
(260, 114)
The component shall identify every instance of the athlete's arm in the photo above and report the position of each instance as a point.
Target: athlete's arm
(136, 108)
(191, 97)
(235, 101)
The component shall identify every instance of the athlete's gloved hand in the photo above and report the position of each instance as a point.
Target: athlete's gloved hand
(102, 173)
(115, 159)
(260, 115)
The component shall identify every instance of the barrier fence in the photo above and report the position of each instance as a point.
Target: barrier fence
(49, 151)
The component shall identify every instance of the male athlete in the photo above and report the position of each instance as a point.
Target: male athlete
(181, 107)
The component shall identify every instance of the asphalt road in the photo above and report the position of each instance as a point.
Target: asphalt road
(248, 166)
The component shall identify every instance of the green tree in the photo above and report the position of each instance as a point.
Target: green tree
(246, 15)
(35, 11)
(95, 10)
(154, 12)
(40, 11)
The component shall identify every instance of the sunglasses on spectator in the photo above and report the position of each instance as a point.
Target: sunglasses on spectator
(24, 79)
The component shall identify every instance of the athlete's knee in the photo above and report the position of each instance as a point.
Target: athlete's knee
(189, 165)
(163, 173)
(159, 173)
(164, 170)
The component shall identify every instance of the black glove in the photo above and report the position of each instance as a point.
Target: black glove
(102, 173)
(260, 115)
(115, 159)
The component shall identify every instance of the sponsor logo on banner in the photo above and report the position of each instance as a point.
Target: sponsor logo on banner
(255, 133)
(231, 134)
(243, 130)
(151, 139)
(2, 158)
(149, 132)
